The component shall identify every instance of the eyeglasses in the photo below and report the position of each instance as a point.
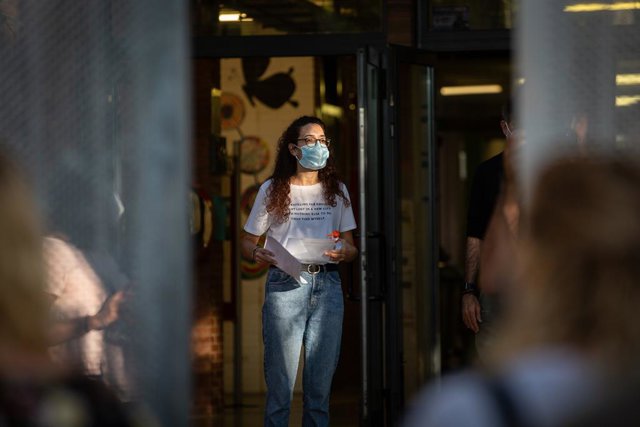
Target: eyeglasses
(310, 142)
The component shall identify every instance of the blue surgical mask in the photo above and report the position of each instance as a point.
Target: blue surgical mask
(314, 157)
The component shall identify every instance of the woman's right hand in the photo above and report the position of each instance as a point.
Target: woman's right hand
(252, 250)
(264, 256)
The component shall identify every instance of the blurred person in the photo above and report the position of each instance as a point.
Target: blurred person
(68, 329)
(33, 391)
(499, 243)
(80, 307)
(568, 337)
(87, 289)
(302, 199)
(480, 302)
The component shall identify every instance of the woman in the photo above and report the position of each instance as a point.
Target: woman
(303, 199)
(570, 334)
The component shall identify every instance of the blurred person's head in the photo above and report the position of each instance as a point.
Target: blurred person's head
(23, 307)
(580, 261)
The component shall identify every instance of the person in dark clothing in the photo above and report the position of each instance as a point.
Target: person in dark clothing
(479, 308)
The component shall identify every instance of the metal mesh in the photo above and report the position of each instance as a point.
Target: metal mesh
(579, 62)
(94, 108)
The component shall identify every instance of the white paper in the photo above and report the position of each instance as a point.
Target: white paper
(316, 249)
(297, 249)
(286, 262)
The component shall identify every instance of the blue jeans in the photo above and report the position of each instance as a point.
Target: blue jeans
(294, 315)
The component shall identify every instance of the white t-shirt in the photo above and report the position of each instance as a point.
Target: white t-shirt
(310, 217)
(78, 292)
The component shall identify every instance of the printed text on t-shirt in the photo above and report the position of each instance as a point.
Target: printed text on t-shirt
(309, 211)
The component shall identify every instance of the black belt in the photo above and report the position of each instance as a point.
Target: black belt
(315, 268)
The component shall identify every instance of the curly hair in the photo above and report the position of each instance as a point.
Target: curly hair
(278, 194)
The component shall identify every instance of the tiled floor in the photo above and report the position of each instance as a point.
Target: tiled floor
(344, 412)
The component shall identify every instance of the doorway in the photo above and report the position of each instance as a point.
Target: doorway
(257, 97)
(380, 109)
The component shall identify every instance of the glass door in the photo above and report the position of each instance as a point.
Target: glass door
(398, 241)
(417, 239)
(370, 108)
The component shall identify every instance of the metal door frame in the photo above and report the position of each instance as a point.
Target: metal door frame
(380, 236)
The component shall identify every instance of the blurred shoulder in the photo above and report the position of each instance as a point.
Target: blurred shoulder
(460, 399)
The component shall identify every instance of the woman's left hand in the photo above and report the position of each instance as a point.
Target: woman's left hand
(338, 255)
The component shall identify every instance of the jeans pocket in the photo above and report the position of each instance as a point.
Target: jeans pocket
(279, 281)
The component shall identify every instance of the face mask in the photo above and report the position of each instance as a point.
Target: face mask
(314, 157)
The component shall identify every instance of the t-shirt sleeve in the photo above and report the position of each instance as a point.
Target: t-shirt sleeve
(475, 217)
(259, 219)
(485, 190)
(347, 221)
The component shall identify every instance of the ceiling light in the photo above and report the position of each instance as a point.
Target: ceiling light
(470, 90)
(627, 79)
(601, 7)
(626, 101)
(233, 16)
(229, 17)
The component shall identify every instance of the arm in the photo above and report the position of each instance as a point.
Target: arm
(472, 259)
(470, 304)
(65, 330)
(251, 250)
(348, 252)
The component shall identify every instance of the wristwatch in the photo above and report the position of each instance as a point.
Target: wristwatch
(470, 288)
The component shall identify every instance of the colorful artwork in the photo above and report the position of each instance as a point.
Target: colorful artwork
(255, 155)
(251, 270)
(248, 197)
(273, 91)
(231, 110)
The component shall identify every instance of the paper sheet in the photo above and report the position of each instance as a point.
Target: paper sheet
(315, 249)
(286, 262)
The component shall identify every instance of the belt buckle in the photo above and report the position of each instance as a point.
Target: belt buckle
(313, 268)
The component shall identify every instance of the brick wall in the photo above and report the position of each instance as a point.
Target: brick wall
(207, 321)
